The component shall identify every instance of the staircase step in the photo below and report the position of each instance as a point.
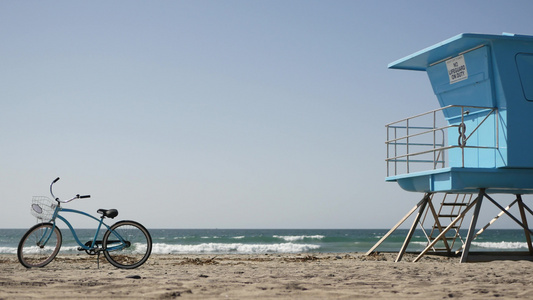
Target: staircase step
(448, 216)
(435, 228)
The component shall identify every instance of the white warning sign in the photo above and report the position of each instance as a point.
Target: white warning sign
(457, 69)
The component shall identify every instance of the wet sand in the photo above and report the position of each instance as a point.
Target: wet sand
(273, 276)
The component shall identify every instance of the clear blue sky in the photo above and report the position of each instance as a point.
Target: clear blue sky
(219, 114)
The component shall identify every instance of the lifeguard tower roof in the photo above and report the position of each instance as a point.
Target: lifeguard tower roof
(484, 85)
(420, 60)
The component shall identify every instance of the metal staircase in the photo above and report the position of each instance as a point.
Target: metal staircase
(451, 207)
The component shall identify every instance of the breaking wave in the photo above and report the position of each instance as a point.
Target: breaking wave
(294, 238)
(500, 245)
(236, 248)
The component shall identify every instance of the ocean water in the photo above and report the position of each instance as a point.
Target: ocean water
(254, 241)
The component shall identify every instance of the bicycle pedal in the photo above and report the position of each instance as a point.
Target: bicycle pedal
(81, 249)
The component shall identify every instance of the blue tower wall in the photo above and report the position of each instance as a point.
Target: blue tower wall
(475, 90)
(512, 100)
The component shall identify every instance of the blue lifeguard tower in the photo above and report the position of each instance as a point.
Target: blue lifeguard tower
(478, 143)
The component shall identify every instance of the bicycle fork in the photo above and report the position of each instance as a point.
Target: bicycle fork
(46, 236)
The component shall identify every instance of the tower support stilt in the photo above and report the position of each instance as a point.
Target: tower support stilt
(425, 205)
(472, 228)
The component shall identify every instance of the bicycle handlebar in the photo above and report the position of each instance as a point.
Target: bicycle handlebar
(75, 197)
(66, 201)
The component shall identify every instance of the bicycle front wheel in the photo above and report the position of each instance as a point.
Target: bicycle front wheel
(127, 244)
(39, 245)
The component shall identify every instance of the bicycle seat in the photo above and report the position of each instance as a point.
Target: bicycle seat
(110, 213)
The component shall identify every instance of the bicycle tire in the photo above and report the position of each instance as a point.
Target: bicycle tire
(139, 245)
(31, 253)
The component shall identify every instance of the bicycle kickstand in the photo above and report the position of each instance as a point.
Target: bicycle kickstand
(98, 259)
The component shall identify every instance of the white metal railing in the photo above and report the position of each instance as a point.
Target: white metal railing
(422, 140)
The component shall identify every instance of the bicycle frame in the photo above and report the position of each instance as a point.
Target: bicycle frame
(100, 221)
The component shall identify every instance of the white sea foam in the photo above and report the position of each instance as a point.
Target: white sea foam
(69, 249)
(8, 250)
(420, 243)
(239, 237)
(491, 245)
(33, 250)
(501, 245)
(232, 248)
(159, 248)
(293, 238)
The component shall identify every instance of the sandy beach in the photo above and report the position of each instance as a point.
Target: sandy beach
(310, 276)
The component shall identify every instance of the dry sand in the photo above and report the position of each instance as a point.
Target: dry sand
(310, 276)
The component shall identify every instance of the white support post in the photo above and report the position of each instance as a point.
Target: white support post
(398, 224)
(524, 221)
(464, 256)
(424, 201)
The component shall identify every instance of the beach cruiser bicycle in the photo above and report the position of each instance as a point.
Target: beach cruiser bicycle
(125, 244)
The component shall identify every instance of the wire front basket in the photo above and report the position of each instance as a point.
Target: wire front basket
(43, 208)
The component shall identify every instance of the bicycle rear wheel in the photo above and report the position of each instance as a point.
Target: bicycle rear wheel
(39, 245)
(127, 244)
